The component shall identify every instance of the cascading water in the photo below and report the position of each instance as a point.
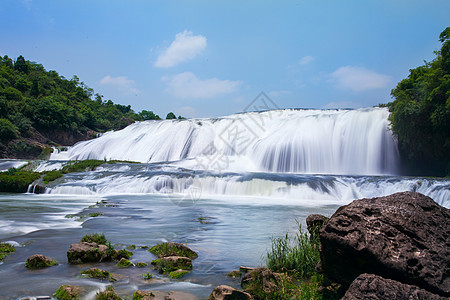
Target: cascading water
(351, 142)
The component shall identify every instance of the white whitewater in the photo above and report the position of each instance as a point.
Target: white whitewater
(346, 142)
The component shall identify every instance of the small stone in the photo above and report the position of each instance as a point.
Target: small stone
(39, 261)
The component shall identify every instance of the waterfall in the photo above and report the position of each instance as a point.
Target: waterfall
(345, 142)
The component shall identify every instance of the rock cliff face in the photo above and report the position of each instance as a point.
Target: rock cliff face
(404, 237)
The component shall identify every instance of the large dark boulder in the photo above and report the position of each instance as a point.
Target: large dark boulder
(225, 292)
(404, 236)
(369, 286)
(315, 222)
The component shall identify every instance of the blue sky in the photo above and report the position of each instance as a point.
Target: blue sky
(212, 58)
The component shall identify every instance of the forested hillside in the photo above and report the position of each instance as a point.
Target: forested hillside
(40, 108)
(420, 114)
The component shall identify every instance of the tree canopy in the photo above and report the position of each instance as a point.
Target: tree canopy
(420, 114)
(35, 100)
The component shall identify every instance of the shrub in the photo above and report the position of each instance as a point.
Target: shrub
(14, 181)
(7, 130)
(51, 175)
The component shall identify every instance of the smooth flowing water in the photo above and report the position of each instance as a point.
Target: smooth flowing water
(222, 186)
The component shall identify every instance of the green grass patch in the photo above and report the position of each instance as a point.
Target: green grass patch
(52, 175)
(299, 254)
(6, 249)
(93, 215)
(94, 238)
(14, 181)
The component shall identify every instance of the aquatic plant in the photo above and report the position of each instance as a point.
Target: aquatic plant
(147, 276)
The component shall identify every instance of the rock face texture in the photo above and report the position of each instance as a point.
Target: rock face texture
(404, 236)
(315, 222)
(369, 286)
(85, 252)
(225, 292)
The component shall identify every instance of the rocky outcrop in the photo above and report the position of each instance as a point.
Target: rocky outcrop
(369, 286)
(85, 252)
(315, 222)
(225, 292)
(404, 236)
(39, 261)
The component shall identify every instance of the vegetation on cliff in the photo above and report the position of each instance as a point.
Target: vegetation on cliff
(420, 114)
(39, 107)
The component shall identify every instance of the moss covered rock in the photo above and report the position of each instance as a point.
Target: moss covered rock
(168, 264)
(6, 249)
(178, 274)
(96, 273)
(67, 292)
(173, 249)
(39, 261)
(124, 263)
(89, 252)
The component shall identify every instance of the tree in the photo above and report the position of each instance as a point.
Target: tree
(420, 114)
(171, 116)
(149, 115)
(21, 65)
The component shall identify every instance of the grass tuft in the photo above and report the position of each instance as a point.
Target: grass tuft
(95, 238)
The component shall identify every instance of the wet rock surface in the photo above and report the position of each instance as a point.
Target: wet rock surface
(404, 236)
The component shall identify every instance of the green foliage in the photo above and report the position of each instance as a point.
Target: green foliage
(15, 181)
(300, 254)
(7, 130)
(420, 114)
(166, 266)
(52, 175)
(94, 238)
(148, 115)
(147, 276)
(171, 116)
(93, 215)
(6, 249)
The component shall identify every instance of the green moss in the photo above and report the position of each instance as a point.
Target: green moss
(52, 175)
(93, 215)
(124, 263)
(95, 238)
(96, 273)
(123, 254)
(177, 274)
(131, 247)
(165, 266)
(6, 249)
(36, 262)
(14, 181)
(67, 292)
(141, 264)
(173, 249)
(108, 294)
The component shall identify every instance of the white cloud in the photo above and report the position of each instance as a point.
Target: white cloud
(186, 46)
(359, 79)
(122, 83)
(306, 59)
(186, 85)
